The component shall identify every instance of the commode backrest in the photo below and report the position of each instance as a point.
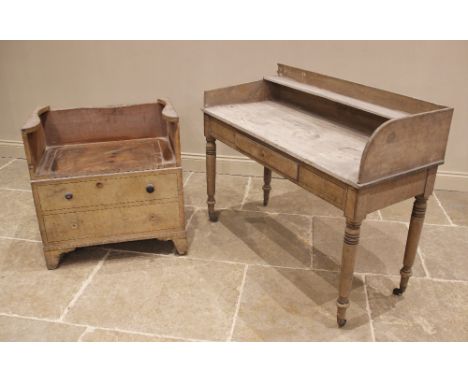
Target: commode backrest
(84, 125)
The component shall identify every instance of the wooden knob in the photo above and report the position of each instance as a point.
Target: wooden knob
(150, 188)
(68, 196)
(99, 185)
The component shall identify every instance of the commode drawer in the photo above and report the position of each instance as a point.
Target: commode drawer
(121, 220)
(106, 190)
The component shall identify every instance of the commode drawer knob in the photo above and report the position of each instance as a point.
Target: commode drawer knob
(150, 188)
(68, 196)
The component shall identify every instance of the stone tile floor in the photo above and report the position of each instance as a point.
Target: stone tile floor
(258, 274)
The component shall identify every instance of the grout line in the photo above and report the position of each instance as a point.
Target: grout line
(83, 286)
(397, 276)
(446, 280)
(380, 214)
(148, 334)
(189, 220)
(90, 327)
(253, 265)
(276, 213)
(443, 210)
(246, 193)
(19, 239)
(169, 257)
(121, 250)
(187, 179)
(14, 189)
(423, 262)
(55, 321)
(7, 164)
(197, 207)
(369, 313)
(440, 225)
(236, 312)
(337, 271)
(311, 242)
(386, 221)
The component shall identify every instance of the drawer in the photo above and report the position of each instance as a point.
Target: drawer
(222, 131)
(118, 221)
(271, 158)
(108, 190)
(322, 187)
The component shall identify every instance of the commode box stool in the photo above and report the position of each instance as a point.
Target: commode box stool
(359, 148)
(104, 175)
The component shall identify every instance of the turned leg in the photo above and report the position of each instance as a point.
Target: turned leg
(348, 259)
(211, 175)
(180, 245)
(414, 233)
(266, 185)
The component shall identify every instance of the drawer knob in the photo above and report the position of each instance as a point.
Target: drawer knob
(68, 196)
(150, 188)
(99, 185)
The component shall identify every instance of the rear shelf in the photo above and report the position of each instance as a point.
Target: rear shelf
(378, 110)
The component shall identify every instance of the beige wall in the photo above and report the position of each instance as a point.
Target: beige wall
(71, 74)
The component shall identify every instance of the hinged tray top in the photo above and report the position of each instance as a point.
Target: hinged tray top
(90, 141)
(106, 157)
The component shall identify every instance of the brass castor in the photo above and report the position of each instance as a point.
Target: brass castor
(266, 195)
(341, 322)
(213, 216)
(398, 291)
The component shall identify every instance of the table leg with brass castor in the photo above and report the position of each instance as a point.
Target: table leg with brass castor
(266, 185)
(350, 244)
(411, 249)
(211, 176)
